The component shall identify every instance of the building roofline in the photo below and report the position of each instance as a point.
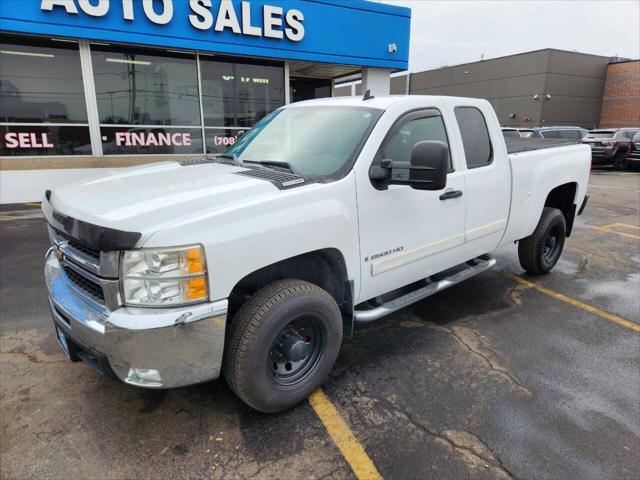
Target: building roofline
(519, 54)
(626, 60)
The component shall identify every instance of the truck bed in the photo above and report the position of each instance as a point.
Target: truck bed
(519, 145)
(535, 171)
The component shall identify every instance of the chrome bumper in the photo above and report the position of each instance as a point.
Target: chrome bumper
(146, 347)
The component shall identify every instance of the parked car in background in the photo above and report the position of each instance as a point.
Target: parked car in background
(510, 132)
(633, 157)
(610, 147)
(568, 133)
(527, 133)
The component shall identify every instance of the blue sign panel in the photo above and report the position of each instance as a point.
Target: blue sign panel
(353, 32)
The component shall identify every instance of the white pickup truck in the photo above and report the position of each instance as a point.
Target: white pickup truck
(327, 214)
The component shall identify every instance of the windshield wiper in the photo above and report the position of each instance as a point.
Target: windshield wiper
(274, 163)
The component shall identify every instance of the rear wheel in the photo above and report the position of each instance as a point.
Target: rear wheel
(539, 252)
(282, 344)
(620, 162)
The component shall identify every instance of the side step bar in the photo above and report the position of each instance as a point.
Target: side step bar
(480, 265)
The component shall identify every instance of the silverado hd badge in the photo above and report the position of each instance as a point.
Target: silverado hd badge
(383, 254)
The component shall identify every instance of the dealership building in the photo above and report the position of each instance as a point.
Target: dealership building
(88, 84)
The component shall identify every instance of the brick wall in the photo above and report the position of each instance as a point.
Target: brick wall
(621, 99)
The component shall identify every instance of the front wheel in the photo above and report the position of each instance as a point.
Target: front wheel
(282, 344)
(539, 252)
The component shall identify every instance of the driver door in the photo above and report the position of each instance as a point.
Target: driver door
(406, 234)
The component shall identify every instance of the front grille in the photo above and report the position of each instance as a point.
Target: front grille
(90, 252)
(91, 273)
(86, 285)
(57, 238)
(86, 250)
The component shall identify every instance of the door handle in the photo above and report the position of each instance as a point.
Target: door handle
(451, 194)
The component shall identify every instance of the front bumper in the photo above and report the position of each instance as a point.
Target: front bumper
(146, 347)
(602, 156)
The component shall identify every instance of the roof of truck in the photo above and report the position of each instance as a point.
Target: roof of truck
(386, 101)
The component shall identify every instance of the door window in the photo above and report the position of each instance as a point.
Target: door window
(399, 146)
(475, 137)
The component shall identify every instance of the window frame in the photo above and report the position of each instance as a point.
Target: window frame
(161, 56)
(22, 41)
(406, 117)
(33, 127)
(491, 148)
(201, 59)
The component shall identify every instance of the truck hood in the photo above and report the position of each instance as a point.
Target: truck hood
(148, 198)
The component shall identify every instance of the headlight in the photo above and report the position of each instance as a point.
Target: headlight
(159, 277)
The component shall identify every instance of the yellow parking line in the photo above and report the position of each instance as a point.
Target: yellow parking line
(8, 218)
(610, 229)
(351, 449)
(618, 224)
(576, 303)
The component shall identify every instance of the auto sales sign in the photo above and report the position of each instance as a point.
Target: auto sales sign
(351, 32)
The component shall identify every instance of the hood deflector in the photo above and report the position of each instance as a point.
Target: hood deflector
(88, 234)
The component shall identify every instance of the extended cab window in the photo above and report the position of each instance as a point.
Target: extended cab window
(475, 137)
(399, 145)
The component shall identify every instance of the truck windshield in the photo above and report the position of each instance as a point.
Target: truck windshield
(312, 141)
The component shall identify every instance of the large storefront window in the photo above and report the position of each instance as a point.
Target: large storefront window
(42, 103)
(138, 89)
(149, 101)
(235, 96)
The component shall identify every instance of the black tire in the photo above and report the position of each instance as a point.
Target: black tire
(620, 162)
(539, 252)
(276, 315)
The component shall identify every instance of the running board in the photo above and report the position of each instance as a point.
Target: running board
(481, 264)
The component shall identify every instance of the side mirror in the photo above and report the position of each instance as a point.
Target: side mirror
(429, 165)
(427, 169)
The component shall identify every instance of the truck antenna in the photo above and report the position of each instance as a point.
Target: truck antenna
(367, 96)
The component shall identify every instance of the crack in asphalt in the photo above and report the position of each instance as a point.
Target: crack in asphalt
(494, 461)
(586, 253)
(512, 295)
(489, 362)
